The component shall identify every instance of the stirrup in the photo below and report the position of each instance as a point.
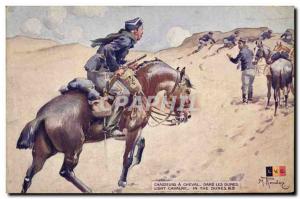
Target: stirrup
(115, 133)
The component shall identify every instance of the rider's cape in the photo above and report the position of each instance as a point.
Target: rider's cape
(109, 38)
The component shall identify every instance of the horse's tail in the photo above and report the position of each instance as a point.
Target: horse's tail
(28, 134)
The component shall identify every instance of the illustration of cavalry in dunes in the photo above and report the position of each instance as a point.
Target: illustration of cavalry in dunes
(215, 98)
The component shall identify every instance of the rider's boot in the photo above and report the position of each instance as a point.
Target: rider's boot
(111, 123)
(245, 101)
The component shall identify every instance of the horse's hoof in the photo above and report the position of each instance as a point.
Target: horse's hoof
(122, 183)
(88, 190)
(135, 162)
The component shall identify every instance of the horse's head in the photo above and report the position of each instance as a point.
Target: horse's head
(258, 51)
(180, 97)
(261, 51)
(278, 47)
(156, 76)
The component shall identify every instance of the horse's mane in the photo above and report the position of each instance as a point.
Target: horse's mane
(153, 62)
(159, 62)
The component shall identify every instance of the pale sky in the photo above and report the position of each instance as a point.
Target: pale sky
(164, 26)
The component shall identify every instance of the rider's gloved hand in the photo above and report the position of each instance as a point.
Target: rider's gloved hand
(120, 72)
(133, 66)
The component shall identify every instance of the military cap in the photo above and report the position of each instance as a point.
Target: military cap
(133, 23)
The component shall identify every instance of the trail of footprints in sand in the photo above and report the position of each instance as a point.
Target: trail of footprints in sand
(212, 157)
(267, 123)
(169, 175)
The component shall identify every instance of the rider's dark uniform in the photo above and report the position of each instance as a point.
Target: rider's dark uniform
(109, 58)
(111, 52)
(230, 40)
(287, 36)
(205, 39)
(265, 35)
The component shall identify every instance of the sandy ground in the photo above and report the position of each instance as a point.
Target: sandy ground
(224, 140)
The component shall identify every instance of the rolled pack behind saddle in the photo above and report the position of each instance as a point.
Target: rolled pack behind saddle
(99, 105)
(278, 55)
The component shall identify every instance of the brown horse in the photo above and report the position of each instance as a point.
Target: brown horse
(281, 48)
(64, 124)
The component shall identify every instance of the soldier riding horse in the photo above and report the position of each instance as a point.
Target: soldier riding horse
(67, 121)
(64, 123)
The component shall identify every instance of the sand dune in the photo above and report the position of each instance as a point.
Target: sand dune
(224, 140)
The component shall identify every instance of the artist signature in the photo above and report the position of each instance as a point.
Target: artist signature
(269, 181)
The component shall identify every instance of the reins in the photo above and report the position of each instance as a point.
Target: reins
(158, 120)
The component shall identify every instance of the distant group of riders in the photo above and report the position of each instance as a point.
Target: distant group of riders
(245, 58)
(107, 76)
(230, 41)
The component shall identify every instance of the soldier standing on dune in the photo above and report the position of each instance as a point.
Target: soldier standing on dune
(245, 57)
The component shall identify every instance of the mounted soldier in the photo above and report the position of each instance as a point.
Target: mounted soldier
(265, 35)
(229, 42)
(203, 41)
(287, 36)
(105, 69)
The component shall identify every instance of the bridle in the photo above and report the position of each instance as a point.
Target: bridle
(164, 121)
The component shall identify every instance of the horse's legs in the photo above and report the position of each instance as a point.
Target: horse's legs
(141, 145)
(218, 50)
(279, 97)
(276, 98)
(292, 88)
(128, 156)
(286, 91)
(40, 153)
(70, 162)
(269, 83)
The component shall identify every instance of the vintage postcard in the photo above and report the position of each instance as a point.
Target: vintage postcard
(150, 99)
